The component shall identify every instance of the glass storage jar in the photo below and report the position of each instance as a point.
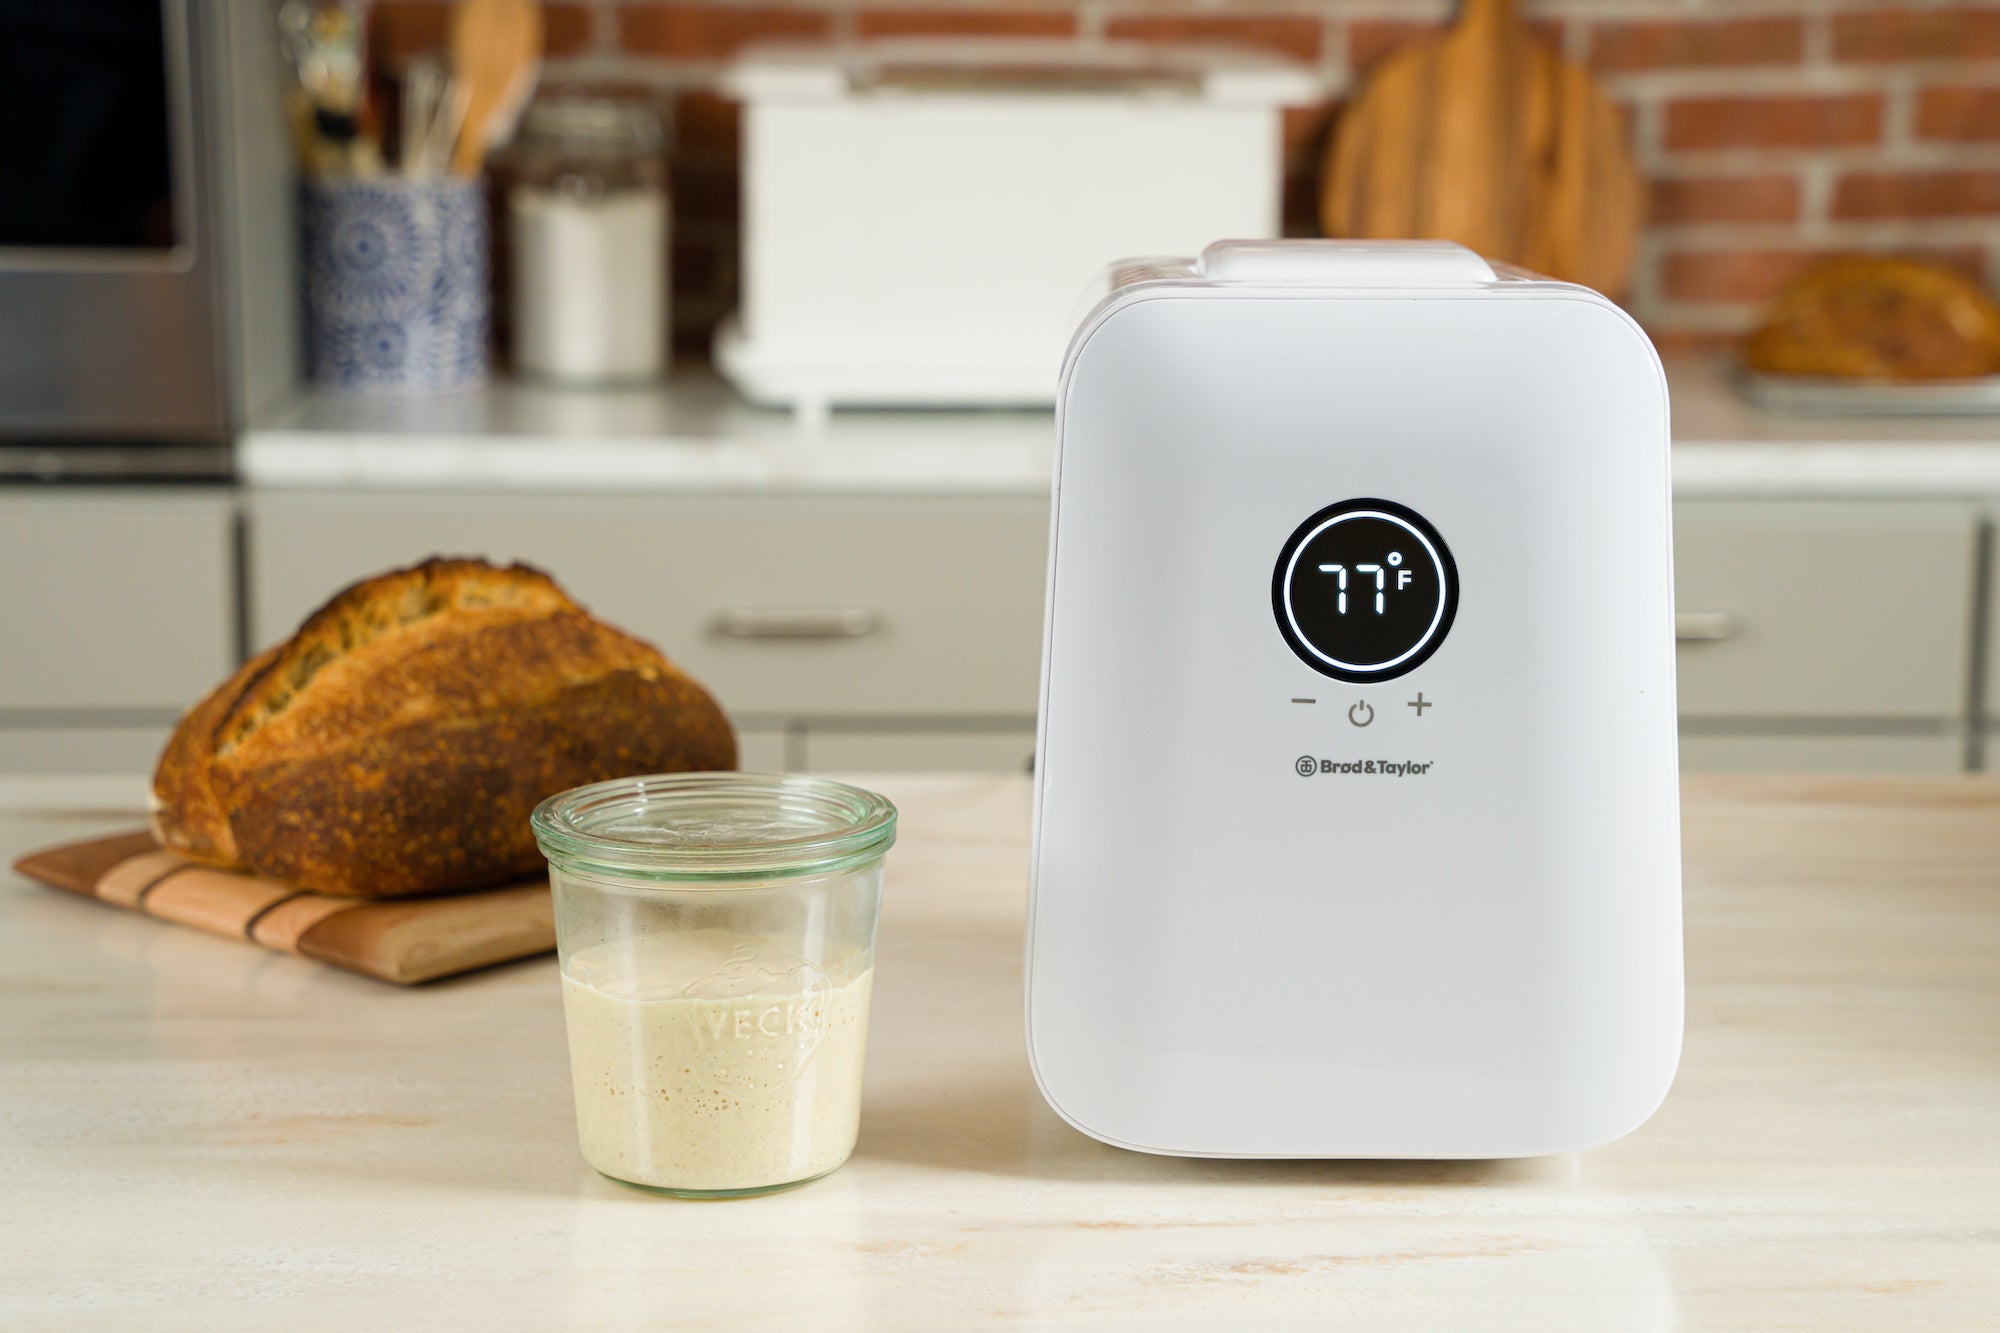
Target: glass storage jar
(716, 934)
(587, 217)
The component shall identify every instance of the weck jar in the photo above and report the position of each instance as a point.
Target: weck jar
(588, 222)
(716, 937)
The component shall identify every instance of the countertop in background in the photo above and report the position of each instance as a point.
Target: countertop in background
(203, 1135)
(697, 435)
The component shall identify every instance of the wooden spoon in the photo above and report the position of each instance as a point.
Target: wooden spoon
(1483, 135)
(496, 49)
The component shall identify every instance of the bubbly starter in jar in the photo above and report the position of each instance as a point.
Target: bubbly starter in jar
(739, 1071)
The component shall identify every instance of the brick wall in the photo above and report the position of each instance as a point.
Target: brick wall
(1774, 131)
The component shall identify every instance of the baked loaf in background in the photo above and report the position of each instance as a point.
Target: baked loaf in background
(1873, 318)
(398, 742)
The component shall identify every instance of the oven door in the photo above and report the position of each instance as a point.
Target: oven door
(109, 314)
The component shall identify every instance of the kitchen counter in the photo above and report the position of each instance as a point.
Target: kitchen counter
(695, 435)
(201, 1135)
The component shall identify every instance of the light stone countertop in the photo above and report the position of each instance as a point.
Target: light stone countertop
(697, 436)
(195, 1134)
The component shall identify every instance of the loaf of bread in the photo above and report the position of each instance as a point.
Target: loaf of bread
(1877, 318)
(396, 744)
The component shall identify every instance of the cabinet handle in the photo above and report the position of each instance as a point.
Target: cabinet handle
(1705, 626)
(744, 623)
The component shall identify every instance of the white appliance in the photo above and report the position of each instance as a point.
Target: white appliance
(919, 215)
(1357, 830)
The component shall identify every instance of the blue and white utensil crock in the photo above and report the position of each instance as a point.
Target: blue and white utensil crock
(396, 292)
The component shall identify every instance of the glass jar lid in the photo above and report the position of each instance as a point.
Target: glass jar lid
(593, 126)
(680, 827)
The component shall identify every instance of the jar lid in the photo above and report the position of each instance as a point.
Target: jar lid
(714, 826)
(603, 124)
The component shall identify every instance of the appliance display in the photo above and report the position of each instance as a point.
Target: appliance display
(1365, 590)
(1357, 827)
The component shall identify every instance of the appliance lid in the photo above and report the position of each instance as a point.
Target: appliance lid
(946, 66)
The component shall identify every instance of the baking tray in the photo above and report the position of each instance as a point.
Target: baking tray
(1828, 396)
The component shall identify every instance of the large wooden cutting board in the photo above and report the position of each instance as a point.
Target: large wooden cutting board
(407, 940)
(1484, 135)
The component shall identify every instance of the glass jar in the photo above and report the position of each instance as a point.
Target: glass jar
(716, 933)
(587, 218)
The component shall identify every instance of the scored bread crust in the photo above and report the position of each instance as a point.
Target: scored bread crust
(397, 743)
(187, 818)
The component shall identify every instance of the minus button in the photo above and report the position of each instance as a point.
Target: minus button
(1305, 701)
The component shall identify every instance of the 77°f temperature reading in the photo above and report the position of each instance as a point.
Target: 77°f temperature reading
(1364, 590)
(1376, 572)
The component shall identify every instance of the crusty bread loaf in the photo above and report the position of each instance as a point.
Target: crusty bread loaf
(1868, 317)
(397, 743)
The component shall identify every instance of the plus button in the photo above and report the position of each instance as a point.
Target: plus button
(1420, 703)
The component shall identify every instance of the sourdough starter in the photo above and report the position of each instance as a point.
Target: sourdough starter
(740, 1070)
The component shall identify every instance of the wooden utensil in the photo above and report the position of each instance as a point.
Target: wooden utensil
(496, 50)
(407, 940)
(1483, 135)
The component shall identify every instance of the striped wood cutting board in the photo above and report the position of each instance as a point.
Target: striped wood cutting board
(403, 940)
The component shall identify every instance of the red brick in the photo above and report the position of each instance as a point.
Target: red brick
(1667, 43)
(706, 120)
(1290, 34)
(698, 268)
(964, 23)
(702, 32)
(1368, 40)
(1916, 194)
(1735, 276)
(1771, 198)
(1775, 122)
(1961, 33)
(1730, 275)
(1298, 213)
(1305, 130)
(566, 29)
(706, 192)
(1965, 114)
(1670, 341)
(399, 29)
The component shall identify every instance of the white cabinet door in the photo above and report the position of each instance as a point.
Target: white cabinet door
(115, 600)
(784, 606)
(1823, 609)
(1822, 754)
(990, 750)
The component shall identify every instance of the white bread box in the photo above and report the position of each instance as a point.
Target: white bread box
(921, 216)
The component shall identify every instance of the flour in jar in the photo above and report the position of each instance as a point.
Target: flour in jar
(725, 1062)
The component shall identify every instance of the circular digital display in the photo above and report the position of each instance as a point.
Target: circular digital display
(1365, 590)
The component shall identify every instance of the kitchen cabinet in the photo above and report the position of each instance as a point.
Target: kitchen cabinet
(1832, 753)
(1825, 610)
(869, 596)
(1825, 635)
(120, 610)
(843, 631)
(903, 632)
(1009, 748)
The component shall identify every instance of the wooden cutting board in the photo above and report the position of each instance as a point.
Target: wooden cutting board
(1484, 135)
(405, 941)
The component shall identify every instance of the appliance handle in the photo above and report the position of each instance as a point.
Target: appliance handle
(1705, 626)
(755, 623)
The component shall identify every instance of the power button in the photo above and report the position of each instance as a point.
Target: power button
(1360, 714)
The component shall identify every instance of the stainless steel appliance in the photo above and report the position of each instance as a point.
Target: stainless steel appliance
(113, 359)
